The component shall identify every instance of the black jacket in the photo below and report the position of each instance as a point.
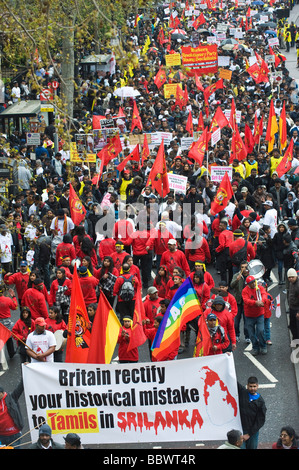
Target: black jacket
(252, 413)
(13, 407)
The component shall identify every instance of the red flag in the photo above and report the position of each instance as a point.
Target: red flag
(238, 149)
(145, 150)
(5, 334)
(199, 21)
(160, 78)
(223, 196)
(189, 124)
(138, 336)
(77, 209)
(254, 72)
(219, 120)
(264, 71)
(203, 341)
(104, 335)
(283, 127)
(232, 118)
(77, 347)
(121, 113)
(286, 163)
(134, 155)
(198, 148)
(248, 140)
(158, 178)
(210, 90)
(180, 97)
(201, 124)
(198, 83)
(258, 129)
(111, 149)
(136, 119)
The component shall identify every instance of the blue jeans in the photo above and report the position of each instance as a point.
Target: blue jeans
(267, 334)
(252, 442)
(255, 327)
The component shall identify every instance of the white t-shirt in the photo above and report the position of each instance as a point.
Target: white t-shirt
(41, 343)
(6, 243)
(70, 225)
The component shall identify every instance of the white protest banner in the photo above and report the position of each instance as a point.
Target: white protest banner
(156, 138)
(223, 61)
(218, 172)
(186, 142)
(177, 182)
(216, 136)
(192, 399)
(238, 115)
(273, 42)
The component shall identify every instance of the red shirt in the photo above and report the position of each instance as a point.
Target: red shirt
(123, 343)
(35, 300)
(64, 249)
(6, 305)
(88, 285)
(20, 281)
(7, 425)
(177, 258)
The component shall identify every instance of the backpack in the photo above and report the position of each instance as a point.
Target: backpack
(127, 291)
(240, 255)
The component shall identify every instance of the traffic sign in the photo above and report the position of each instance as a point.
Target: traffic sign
(55, 84)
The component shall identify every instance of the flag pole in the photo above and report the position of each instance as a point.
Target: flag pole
(18, 339)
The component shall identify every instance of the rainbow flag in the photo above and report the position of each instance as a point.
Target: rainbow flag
(183, 308)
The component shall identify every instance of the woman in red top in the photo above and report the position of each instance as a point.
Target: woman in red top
(21, 330)
(133, 268)
(201, 288)
(123, 341)
(87, 249)
(161, 280)
(66, 248)
(60, 292)
(53, 323)
(201, 268)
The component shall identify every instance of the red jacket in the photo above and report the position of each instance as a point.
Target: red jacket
(6, 305)
(177, 258)
(54, 289)
(123, 343)
(161, 287)
(268, 305)
(88, 286)
(158, 242)
(208, 278)
(225, 238)
(150, 309)
(249, 298)
(35, 300)
(20, 281)
(21, 330)
(118, 259)
(237, 245)
(106, 247)
(220, 340)
(124, 228)
(232, 301)
(53, 326)
(64, 249)
(236, 222)
(139, 241)
(226, 320)
(119, 282)
(200, 253)
(203, 293)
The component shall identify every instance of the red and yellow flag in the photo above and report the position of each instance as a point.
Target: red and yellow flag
(203, 341)
(145, 150)
(104, 335)
(136, 119)
(283, 127)
(134, 155)
(78, 341)
(158, 177)
(160, 78)
(286, 163)
(272, 128)
(77, 209)
(223, 196)
(138, 336)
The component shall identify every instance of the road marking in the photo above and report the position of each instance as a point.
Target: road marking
(260, 367)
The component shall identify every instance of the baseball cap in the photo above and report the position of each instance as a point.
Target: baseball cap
(211, 316)
(292, 222)
(40, 321)
(72, 439)
(172, 241)
(268, 203)
(23, 263)
(250, 279)
(152, 290)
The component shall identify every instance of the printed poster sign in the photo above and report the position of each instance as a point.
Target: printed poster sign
(200, 60)
(177, 183)
(172, 60)
(192, 399)
(218, 172)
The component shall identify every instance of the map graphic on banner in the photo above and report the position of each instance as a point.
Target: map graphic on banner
(185, 400)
